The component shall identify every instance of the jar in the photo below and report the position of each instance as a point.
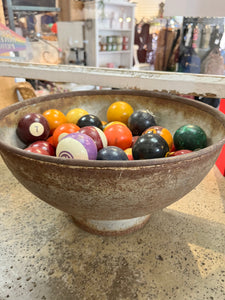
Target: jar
(125, 39)
(110, 65)
(103, 47)
(103, 40)
(114, 47)
(114, 39)
(109, 39)
(119, 39)
(109, 47)
(125, 46)
(119, 47)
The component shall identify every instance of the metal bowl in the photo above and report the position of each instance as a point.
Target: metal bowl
(113, 197)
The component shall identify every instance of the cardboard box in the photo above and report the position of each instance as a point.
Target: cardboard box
(8, 94)
(71, 10)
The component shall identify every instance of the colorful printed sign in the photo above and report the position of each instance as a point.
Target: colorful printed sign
(10, 40)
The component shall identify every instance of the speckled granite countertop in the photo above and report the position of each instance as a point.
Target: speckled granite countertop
(179, 254)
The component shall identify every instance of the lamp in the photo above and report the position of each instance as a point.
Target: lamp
(195, 8)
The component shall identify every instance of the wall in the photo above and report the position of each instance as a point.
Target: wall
(147, 8)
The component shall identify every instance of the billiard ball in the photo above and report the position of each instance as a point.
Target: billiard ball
(96, 134)
(75, 114)
(179, 152)
(163, 132)
(134, 139)
(37, 150)
(62, 130)
(55, 118)
(190, 137)
(111, 153)
(112, 123)
(150, 145)
(90, 120)
(45, 145)
(77, 146)
(50, 140)
(140, 120)
(128, 152)
(33, 127)
(119, 111)
(119, 136)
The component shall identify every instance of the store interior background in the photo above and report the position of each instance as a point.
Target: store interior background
(115, 34)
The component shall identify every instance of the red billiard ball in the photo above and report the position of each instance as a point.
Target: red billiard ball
(50, 140)
(77, 146)
(33, 127)
(179, 152)
(119, 136)
(45, 145)
(37, 150)
(62, 130)
(96, 134)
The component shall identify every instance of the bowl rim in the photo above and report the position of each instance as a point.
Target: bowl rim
(107, 163)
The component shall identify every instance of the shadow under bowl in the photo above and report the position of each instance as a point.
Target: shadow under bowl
(113, 197)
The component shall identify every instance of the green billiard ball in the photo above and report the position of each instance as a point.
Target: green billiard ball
(190, 137)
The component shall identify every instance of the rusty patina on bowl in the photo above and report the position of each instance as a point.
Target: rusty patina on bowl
(110, 197)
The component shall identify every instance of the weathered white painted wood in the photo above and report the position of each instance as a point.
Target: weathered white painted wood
(176, 83)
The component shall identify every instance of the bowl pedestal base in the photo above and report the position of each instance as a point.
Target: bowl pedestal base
(112, 227)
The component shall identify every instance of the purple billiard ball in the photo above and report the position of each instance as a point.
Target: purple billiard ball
(77, 146)
(33, 127)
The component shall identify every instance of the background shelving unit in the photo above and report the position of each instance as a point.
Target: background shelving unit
(11, 9)
(109, 20)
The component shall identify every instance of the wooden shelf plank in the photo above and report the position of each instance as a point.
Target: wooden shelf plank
(175, 83)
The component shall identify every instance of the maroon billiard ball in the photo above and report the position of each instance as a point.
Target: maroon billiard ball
(96, 134)
(33, 127)
(134, 140)
(45, 146)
